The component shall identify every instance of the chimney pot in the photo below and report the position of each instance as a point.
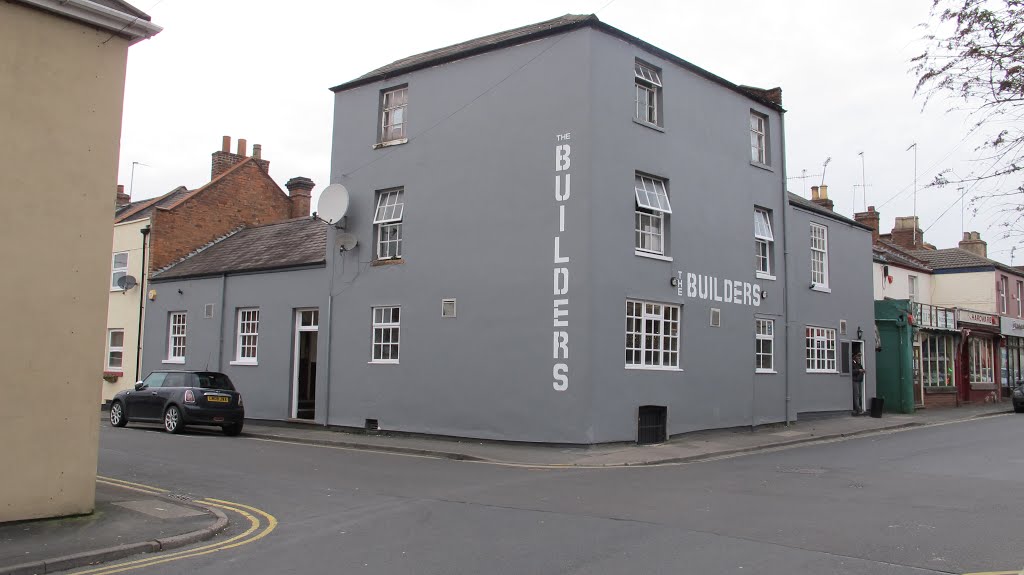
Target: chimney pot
(967, 236)
(871, 208)
(257, 151)
(823, 192)
(814, 192)
(241, 147)
(299, 189)
(121, 198)
(225, 145)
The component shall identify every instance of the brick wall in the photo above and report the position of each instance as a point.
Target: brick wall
(245, 195)
(933, 399)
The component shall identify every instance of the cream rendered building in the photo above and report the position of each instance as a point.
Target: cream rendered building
(125, 307)
(62, 74)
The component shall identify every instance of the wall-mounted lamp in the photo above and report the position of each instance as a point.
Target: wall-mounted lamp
(180, 292)
(673, 281)
(860, 333)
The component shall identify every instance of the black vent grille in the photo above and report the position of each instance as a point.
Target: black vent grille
(652, 424)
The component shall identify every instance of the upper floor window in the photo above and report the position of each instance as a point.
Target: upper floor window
(648, 93)
(759, 138)
(176, 337)
(388, 223)
(1020, 294)
(393, 116)
(248, 335)
(652, 335)
(118, 269)
(912, 288)
(1003, 294)
(819, 256)
(764, 241)
(652, 208)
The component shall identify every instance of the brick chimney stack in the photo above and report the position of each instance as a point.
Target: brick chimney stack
(907, 233)
(123, 199)
(870, 219)
(819, 195)
(973, 243)
(223, 160)
(300, 190)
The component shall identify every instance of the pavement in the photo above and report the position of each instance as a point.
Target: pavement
(125, 522)
(695, 446)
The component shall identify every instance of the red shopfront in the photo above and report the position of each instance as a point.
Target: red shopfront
(978, 376)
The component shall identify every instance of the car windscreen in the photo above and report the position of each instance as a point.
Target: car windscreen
(214, 381)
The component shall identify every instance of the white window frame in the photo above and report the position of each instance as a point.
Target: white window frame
(392, 130)
(1020, 294)
(647, 80)
(938, 360)
(387, 322)
(116, 269)
(819, 345)
(388, 219)
(759, 139)
(764, 243)
(912, 288)
(649, 215)
(819, 256)
(247, 336)
(764, 335)
(981, 369)
(1004, 287)
(177, 337)
(111, 349)
(652, 335)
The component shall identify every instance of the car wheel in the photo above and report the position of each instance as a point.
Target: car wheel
(117, 418)
(232, 430)
(172, 420)
(1018, 409)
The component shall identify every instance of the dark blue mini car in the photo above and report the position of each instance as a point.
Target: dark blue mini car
(180, 398)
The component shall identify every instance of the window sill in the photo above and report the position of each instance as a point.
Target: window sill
(388, 262)
(378, 362)
(763, 371)
(380, 145)
(940, 390)
(764, 276)
(821, 288)
(652, 368)
(243, 362)
(174, 361)
(764, 167)
(825, 371)
(652, 256)
(654, 127)
(984, 386)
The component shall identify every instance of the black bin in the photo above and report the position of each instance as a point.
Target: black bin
(876, 406)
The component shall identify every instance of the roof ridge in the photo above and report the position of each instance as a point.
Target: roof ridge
(143, 204)
(200, 249)
(198, 190)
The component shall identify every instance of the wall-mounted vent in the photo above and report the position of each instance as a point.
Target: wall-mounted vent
(372, 425)
(208, 310)
(716, 317)
(652, 424)
(842, 327)
(448, 308)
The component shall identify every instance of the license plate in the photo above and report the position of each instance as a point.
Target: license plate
(218, 399)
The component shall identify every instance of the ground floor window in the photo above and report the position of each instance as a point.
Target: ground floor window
(937, 360)
(764, 345)
(652, 334)
(1013, 362)
(821, 350)
(981, 359)
(115, 349)
(386, 334)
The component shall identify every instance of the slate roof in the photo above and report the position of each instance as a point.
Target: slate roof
(804, 203)
(143, 208)
(531, 33)
(291, 243)
(889, 253)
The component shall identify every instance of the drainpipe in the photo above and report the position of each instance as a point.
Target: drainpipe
(786, 259)
(220, 320)
(332, 243)
(142, 303)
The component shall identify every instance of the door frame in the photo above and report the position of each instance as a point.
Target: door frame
(293, 408)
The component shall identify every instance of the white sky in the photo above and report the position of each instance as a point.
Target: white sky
(261, 70)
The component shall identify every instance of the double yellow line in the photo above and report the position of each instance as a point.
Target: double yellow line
(261, 524)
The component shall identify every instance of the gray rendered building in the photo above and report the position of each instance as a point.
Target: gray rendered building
(555, 226)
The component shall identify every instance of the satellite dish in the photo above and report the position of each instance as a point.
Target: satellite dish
(347, 242)
(333, 203)
(127, 282)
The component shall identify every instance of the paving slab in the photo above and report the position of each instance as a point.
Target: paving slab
(685, 447)
(125, 522)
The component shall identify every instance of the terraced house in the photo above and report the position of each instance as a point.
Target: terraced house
(558, 233)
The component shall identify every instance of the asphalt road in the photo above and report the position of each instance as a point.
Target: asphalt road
(945, 499)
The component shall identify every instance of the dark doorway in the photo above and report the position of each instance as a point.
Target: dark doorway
(857, 347)
(652, 424)
(306, 396)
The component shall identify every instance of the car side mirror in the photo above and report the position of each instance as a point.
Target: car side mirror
(139, 385)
